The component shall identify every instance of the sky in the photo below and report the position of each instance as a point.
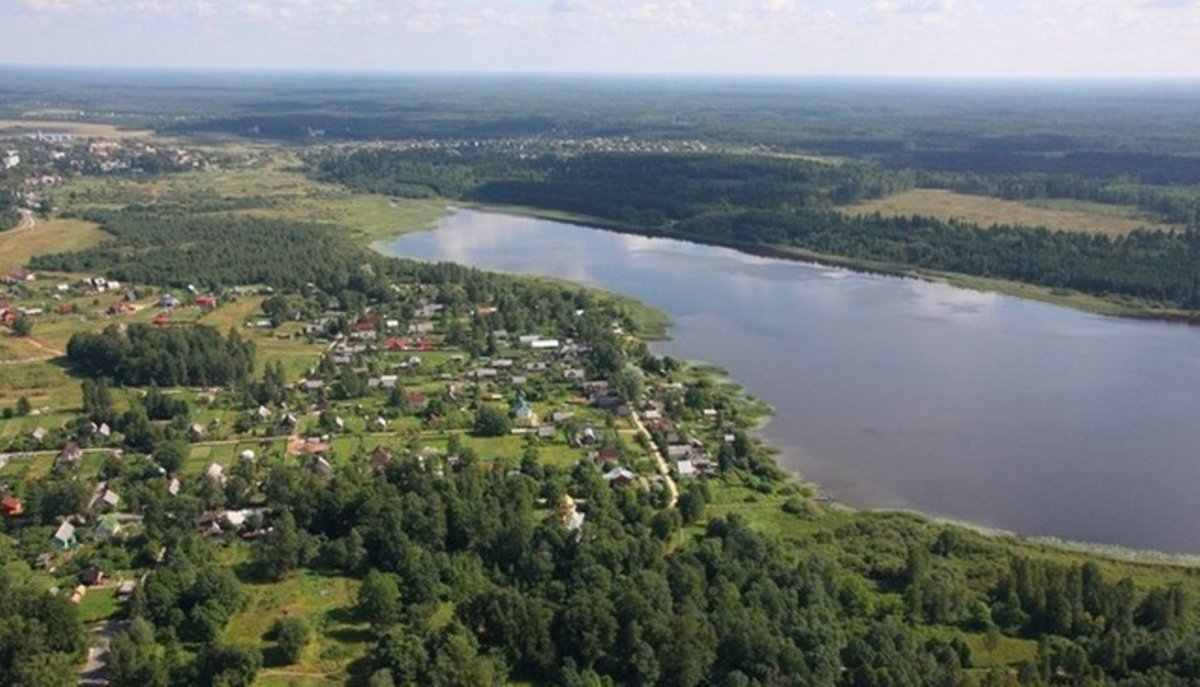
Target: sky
(924, 38)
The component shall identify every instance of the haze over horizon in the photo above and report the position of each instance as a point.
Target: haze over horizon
(888, 38)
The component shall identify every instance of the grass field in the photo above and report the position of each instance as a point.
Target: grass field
(49, 236)
(326, 603)
(86, 129)
(100, 603)
(46, 385)
(1053, 214)
(273, 179)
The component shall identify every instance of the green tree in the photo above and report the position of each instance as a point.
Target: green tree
(491, 421)
(403, 655)
(135, 659)
(456, 661)
(22, 326)
(692, 503)
(282, 550)
(98, 404)
(380, 600)
(170, 455)
(140, 433)
(226, 665)
(292, 635)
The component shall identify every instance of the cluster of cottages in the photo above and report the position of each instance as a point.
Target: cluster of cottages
(101, 521)
(50, 154)
(494, 379)
(89, 433)
(502, 378)
(408, 347)
(18, 279)
(41, 301)
(524, 146)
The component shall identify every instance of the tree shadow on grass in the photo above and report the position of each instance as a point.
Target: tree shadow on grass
(273, 657)
(249, 572)
(351, 635)
(359, 671)
(343, 614)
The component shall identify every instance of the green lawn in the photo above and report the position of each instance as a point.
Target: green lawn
(49, 236)
(325, 602)
(98, 604)
(1008, 651)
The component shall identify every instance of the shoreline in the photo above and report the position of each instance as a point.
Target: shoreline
(1064, 298)
(764, 415)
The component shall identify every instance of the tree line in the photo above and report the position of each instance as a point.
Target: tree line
(757, 200)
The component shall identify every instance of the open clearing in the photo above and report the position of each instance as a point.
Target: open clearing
(326, 604)
(275, 189)
(1114, 220)
(55, 235)
(20, 127)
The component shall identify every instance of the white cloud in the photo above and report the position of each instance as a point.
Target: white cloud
(66, 6)
(1101, 37)
(891, 7)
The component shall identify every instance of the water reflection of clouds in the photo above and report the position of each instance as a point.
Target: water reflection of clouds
(910, 392)
(934, 301)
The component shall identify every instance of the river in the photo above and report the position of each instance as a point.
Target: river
(900, 393)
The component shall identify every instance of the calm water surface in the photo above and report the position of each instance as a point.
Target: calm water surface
(899, 393)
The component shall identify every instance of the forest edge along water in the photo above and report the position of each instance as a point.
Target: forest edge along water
(902, 393)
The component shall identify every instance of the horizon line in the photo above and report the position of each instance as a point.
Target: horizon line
(598, 74)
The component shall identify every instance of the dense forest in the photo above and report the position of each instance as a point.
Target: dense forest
(173, 248)
(41, 636)
(770, 201)
(879, 600)
(8, 200)
(172, 356)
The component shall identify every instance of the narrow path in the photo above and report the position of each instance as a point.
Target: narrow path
(50, 353)
(25, 361)
(50, 350)
(279, 672)
(663, 468)
(95, 667)
(28, 221)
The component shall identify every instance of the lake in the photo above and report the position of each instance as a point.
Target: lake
(900, 393)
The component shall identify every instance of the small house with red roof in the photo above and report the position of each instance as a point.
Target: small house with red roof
(11, 506)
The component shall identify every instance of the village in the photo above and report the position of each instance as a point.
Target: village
(342, 389)
(31, 163)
